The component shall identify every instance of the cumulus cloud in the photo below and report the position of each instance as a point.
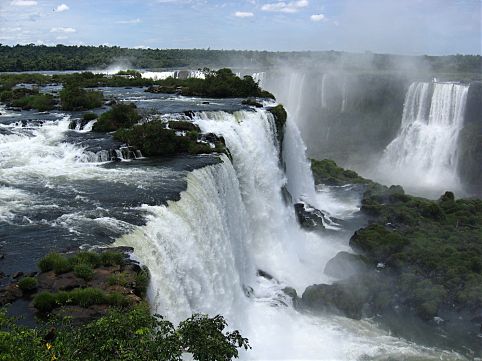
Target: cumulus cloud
(61, 8)
(243, 14)
(131, 21)
(24, 3)
(286, 7)
(317, 17)
(62, 30)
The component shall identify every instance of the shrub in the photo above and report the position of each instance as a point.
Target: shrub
(117, 300)
(120, 116)
(85, 297)
(28, 284)
(89, 116)
(41, 102)
(142, 282)
(45, 302)
(90, 258)
(72, 97)
(120, 279)
(56, 262)
(84, 271)
(111, 258)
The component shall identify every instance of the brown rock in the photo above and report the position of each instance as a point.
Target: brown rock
(9, 294)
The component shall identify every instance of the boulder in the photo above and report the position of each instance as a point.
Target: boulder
(9, 294)
(309, 217)
(345, 265)
(345, 299)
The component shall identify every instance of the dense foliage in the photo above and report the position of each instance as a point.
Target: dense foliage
(154, 139)
(327, 172)
(27, 99)
(72, 97)
(120, 335)
(222, 83)
(31, 57)
(430, 250)
(120, 116)
(60, 263)
(433, 246)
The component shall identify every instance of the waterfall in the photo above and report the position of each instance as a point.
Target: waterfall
(203, 252)
(424, 154)
(324, 91)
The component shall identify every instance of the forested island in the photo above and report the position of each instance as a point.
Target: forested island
(61, 57)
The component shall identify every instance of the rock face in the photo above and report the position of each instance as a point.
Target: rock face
(339, 297)
(345, 265)
(308, 217)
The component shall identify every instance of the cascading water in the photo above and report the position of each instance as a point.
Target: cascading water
(203, 252)
(424, 154)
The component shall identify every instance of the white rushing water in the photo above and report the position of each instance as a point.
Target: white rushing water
(203, 252)
(424, 154)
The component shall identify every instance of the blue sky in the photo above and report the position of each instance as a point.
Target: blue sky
(388, 26)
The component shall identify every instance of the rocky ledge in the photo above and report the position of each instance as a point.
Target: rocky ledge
(80, 285)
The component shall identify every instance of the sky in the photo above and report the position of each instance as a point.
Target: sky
(435, 27)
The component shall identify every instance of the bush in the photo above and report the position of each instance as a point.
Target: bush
(89, 116)
(72, 97)
(85, 297)
(45, 302)
(56, 262)
(41, 102)
(120, 116)
(120, 279)
(111, 258)
(28, 284)
(84, 271)
(123, 335)
(142, 282)
(90, 258)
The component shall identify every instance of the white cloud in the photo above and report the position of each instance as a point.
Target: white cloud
(24, 3)
(317, 17)
(131, 21)
(243, 14)
(61, 8)
(284, 7)
(62, 30)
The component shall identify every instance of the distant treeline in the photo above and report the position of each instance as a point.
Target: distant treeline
(36, 58)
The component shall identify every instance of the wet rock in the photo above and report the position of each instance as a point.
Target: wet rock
(9, 294)
(345, 265)
(2, 256)
(264, 274)
(339, 298)
(17, 275)
(309, 217)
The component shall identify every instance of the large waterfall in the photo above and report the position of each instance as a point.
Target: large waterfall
(424, 154)
(204, 251)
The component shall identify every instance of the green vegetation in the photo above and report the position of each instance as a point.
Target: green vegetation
(84, 271)
(154, 139)
(430, 251)
(27, 99)
(41, 102)
(28, 284)
(61, 264)
(89, 116)
(120, 116)
(327, 172)
(31, 57)
(222, 83)
(45, 302)
(433, 246)
(280, 117)
(72, 97)
(121, 335)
